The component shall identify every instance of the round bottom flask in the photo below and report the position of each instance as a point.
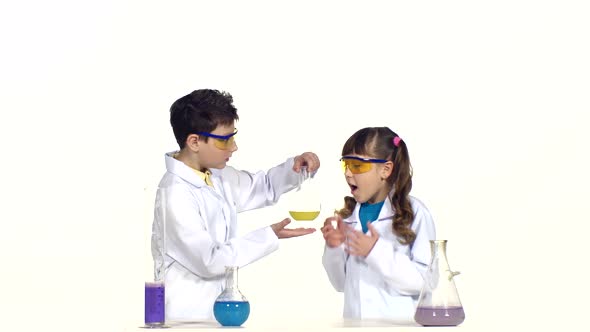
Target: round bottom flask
(305, 203)
(231, 307)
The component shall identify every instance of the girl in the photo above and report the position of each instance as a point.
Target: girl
(380, 249)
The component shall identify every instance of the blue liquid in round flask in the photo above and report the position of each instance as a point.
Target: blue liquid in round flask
(231, 307)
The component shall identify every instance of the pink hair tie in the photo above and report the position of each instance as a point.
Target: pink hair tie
(396, 140)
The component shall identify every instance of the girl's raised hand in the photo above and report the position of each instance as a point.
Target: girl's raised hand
(360, 244)
(333, 236)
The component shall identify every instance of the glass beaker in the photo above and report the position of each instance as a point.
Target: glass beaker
(439, 303)
(231, 307)
(155, 294)
(305, 201)
(155, 299)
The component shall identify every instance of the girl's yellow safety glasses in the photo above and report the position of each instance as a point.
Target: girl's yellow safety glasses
(358, 165)
(222, 142)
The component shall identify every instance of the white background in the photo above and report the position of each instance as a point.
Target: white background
(489, 97)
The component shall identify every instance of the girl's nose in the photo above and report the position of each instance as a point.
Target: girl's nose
(347, 172)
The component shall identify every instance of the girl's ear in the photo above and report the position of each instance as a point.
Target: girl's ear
(192, 142)
(387, 169)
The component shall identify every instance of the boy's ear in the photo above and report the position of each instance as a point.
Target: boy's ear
(192, 142)
(387, 169)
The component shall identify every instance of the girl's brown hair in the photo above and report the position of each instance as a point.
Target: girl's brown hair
(381, 142)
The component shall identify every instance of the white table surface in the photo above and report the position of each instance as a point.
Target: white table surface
(302, 325)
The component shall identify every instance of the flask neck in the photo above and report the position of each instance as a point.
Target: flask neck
(439, 251)
(231, 277)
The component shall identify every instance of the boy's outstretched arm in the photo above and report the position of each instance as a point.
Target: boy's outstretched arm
(191, 241)
(255, 190)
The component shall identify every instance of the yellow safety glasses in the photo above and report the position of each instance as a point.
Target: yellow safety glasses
(222, 142)
(358, 165)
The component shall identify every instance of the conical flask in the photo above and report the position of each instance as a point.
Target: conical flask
(439, 303)
(305, 201)
(231, 307)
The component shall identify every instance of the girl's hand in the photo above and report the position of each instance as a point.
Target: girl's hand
(333, 236)
(360, 244)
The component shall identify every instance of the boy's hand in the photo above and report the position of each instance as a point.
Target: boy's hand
(308, 159)
(284, 233)
(333, 236)
(360, 244)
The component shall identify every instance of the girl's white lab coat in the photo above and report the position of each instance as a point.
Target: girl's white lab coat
(200, 230)
(386, 284)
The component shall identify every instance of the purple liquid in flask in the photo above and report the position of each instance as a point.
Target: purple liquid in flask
(439, 316)
(154, 304)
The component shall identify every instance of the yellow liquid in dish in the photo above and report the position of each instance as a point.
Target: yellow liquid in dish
(304, 215)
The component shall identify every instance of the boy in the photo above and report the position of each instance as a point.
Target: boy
(203, 197)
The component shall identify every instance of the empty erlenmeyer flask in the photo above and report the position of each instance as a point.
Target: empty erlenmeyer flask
(439, 303)
(305, 201)
(231, 307)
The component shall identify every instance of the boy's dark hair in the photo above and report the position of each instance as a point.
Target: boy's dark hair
(201, 111)
(378, 142)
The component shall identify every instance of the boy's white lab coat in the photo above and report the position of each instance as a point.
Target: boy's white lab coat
(200, 233)
(386, 284)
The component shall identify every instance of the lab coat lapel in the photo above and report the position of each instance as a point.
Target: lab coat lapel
(181, 170)
(186, 173)
(386, 212)
(354, 218)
